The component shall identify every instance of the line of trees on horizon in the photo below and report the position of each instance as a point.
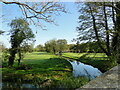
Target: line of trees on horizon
(59, 46)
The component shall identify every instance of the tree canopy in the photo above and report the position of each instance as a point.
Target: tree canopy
(56, 46)
(98, 22)
(20, 34)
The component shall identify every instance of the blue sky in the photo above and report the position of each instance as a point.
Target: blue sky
(66, 28)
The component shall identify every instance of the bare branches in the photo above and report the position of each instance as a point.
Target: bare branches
(22, 4)
(37, 11)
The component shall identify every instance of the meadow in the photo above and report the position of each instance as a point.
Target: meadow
(44, 70)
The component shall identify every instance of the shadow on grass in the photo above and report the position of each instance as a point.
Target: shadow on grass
(44, 68)
(102, 63)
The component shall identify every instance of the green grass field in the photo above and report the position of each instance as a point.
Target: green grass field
(98, 60)
(43, 70)
(96, 56)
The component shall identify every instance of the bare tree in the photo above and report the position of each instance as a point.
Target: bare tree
(39, 11)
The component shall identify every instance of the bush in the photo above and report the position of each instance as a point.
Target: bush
(5, 55)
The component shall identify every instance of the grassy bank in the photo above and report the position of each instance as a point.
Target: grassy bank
(43, 70)
(98, 60)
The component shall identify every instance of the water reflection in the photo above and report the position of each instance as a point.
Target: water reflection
(80, 69)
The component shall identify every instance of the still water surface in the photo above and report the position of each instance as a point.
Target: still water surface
(81, 69)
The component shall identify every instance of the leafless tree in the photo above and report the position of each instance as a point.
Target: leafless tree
(37, 12)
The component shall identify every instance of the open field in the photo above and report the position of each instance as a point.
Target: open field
(43, 70)
(96, 56)
(98, 60)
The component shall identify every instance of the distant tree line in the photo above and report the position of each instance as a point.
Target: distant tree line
(90, 47)
(54, 46)
(59, 46)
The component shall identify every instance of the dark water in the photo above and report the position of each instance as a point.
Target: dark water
(80, 69)
(16, 85)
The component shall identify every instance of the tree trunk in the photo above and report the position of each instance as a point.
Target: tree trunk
(96, 33)
(107, 32)
(12, 57)
(20, 56)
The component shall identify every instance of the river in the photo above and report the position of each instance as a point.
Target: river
(81, 69)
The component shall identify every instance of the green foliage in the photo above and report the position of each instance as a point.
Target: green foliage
(62, 45)
(40, 48)
(20, 35)
(56, 46)
(91, 47)
(51, 46)
(20, 32)
(5, 55)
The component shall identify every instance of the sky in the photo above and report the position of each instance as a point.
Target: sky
(66, 28)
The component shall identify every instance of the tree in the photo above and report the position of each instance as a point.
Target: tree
(100, 23)
(20, 33)
(51, 46)
(38, 11)
(71, 47)
(56, 46)
(62, 45)
(93, 24)
(26, 47)
(40, 48)
(77, 47)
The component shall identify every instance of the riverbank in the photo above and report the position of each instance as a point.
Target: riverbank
(41, 70)
(98, 60)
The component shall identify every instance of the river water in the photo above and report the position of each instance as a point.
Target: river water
(81, 69)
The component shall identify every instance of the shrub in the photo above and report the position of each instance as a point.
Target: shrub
(5, 55)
